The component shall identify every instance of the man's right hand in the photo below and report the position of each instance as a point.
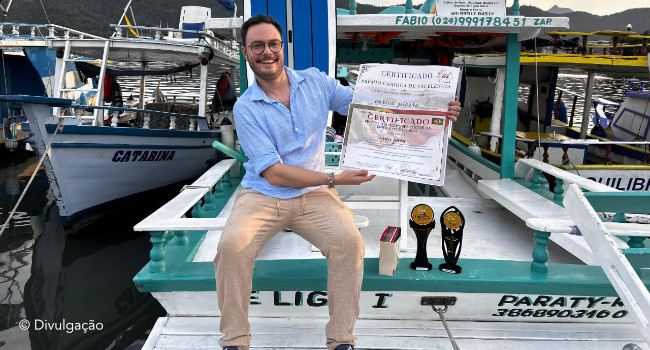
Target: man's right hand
(352, 177)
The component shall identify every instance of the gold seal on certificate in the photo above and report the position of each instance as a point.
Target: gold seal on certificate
(397, 122)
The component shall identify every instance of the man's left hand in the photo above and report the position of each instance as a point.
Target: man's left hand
(454, 110)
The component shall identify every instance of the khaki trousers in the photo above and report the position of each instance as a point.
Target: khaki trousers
(318, 216)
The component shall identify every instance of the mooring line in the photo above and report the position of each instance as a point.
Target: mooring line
(31, 179)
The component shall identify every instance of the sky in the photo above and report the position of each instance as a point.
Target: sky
(597, 7)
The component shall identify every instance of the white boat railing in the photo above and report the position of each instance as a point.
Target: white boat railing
(170, 221)
(538, 201)
(156, 33)
(18, 29)
(147, 115)
(615, 264)
(68, 33)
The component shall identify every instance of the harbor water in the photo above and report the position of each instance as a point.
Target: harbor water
(56, 283)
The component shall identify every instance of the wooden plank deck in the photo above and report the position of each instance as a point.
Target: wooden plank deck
(309, 333)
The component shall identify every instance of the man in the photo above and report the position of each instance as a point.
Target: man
(281, 122)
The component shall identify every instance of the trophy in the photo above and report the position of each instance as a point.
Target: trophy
(422, 222)
(452, 223)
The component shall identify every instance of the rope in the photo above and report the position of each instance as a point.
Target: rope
(4, 74)
(31, 179)
(46, 16)
(441, 313)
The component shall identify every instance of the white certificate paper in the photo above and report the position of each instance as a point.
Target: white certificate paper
(396, 124)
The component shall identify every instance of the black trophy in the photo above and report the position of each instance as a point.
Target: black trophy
(452, 223)
(422, 222)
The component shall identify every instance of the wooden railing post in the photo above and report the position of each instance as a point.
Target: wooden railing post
(540, 252)
(157, 253)
(537, 180)
(559, 190)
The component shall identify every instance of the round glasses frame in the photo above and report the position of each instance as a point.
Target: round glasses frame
(274, 45)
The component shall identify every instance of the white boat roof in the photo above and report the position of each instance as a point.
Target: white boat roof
(146, 50)
(426, 25)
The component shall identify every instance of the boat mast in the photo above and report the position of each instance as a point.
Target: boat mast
(5, 11)
(584, 125)
(510, 102)
(126, 8)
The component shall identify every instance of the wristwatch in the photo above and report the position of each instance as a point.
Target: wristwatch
(330, 180)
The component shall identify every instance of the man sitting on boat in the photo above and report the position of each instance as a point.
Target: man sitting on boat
(281, 121)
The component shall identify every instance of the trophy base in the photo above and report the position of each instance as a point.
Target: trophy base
(421, 266)
(455, 269)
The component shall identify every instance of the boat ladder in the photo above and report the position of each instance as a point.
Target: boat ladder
(62, 91)
(622, 275)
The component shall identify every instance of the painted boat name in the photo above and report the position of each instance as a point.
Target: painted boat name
(143, 156)
(633, 183)
(314, 299)
(560, 306)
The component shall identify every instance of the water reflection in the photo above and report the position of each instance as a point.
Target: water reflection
(608, 86)
(57, 280)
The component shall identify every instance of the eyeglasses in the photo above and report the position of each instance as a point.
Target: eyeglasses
(274, 46)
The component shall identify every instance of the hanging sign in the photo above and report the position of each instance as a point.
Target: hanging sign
(471, 7)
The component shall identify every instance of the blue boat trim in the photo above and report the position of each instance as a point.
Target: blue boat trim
(103, 130)
(51, 101)
(124, 146)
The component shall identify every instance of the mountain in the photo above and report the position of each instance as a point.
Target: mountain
(586, 22)
(559, 10)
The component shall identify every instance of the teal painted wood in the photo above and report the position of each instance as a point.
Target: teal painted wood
(636, 242)
(515, 8)
(243, 78)
(227, 179)
(408, 7)
(540, 252)
(209, 199)
(459, 146)
(157, 253)
(627, 202)
(197, 210)
(160, 252)
(558, 197)
(479, 276)
(181, 237)
(633, 241)
(219, 189)
(510, 107)
(537, 180)
(353, 7)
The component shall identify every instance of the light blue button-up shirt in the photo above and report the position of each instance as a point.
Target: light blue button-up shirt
(270, 133)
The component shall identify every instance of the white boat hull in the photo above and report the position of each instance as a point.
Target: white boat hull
(91, 166)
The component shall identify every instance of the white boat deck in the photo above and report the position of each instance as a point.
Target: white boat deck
(491, 231)
(309, 333)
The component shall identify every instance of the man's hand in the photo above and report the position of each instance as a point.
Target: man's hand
(352, 177)
(454, 110)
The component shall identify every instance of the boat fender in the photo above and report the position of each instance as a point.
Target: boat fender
(475, 148)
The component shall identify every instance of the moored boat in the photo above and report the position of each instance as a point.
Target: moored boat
(99, 153)
(514, 291)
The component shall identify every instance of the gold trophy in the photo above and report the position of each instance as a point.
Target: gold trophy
(422, 222)
(452, 223)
